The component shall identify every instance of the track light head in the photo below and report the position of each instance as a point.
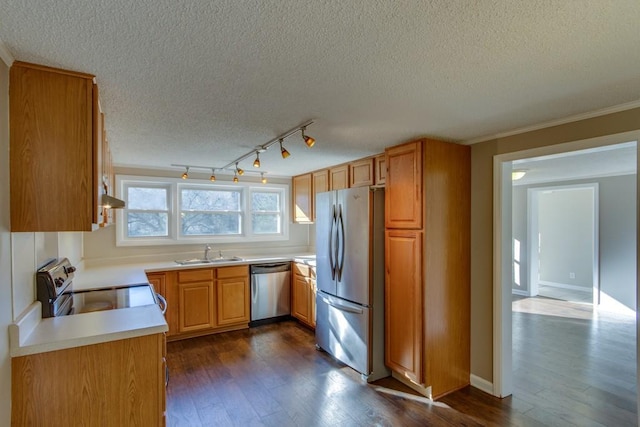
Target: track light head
(256, 162)
(235, 178)
(240, 171)
(262, 178)
(283, 150)
(307, 139)
(185, 175)
(212, 178)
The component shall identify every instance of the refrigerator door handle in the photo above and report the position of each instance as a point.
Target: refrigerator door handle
(342, 307)
(332, 262)
(340, 230)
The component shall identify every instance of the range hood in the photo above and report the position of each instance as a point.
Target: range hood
(111, 202)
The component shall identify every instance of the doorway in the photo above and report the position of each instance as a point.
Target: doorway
(503, 247)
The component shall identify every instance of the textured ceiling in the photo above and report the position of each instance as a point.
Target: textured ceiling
(203, 82)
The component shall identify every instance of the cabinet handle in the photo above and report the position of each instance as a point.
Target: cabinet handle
(166, 372)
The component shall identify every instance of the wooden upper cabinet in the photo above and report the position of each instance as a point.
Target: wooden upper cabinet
(339, 177)
(361, 173)
(302, 198)
(320, 185)
(55, 158)
(380, 170)
(404, 190)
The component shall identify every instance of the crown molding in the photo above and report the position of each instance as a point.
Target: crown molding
(5, 55)
(557, 122)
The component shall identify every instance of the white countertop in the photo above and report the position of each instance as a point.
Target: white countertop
(30, 334)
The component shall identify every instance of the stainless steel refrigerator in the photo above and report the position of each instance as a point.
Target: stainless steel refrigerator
(350, 278)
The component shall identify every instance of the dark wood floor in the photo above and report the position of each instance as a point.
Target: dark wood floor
(273, 376)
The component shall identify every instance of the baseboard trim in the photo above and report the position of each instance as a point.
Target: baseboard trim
(481, 384)
(567, 286)
(519, 292)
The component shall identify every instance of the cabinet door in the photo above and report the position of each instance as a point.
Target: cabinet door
(233, 301)
(51, 149)
(302, 199)
(320, 185)
(380, 170)
(404, 192)
(312, 301)
(403, 303)
(301, 296)
(197, 308)
(361, 173)
(339, 177)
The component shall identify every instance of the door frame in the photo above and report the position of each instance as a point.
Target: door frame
(502, 250)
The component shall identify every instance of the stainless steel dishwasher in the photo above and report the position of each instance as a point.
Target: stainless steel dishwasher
(270, 292)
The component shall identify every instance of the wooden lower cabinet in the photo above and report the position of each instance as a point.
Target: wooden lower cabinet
(303, 298)
(205, 300)
(403, 303)
(232, 286)
(117, 383)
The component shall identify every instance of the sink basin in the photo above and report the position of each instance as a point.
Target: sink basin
(208, 261)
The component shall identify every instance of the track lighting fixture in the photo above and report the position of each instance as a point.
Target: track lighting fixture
(283, 150)
(234, 165)
(306, 138)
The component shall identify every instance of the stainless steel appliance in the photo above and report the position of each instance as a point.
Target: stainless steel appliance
(54, 289)
(270, 292)
(350, 278)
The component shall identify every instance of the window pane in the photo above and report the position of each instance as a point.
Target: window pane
(140, 224)
(265, 202)
(147, 198)
(210, 200)
(265, 223)
(194, 224)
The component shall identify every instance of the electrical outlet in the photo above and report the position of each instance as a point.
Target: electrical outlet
(572, 275)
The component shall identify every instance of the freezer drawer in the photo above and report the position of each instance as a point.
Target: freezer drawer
(343, 329)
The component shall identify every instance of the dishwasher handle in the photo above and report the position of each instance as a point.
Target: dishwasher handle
(270, 268)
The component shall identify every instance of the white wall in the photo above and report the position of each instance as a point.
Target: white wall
(6, 313)
(565, 227)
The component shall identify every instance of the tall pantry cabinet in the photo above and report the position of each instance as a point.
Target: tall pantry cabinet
(427, 265)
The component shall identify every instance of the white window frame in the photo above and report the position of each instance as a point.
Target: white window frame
(175, 238)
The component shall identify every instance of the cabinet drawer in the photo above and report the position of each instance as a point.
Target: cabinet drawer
(235, 271)
(200, 275)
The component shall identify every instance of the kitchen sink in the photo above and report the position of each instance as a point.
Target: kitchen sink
(208, 261)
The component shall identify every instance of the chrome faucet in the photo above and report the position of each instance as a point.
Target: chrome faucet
(207, 248)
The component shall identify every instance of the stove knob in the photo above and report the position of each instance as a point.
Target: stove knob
(69, 269)
(59, 282)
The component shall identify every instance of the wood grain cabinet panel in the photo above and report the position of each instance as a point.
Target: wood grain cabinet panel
(197, 306)
(303, 294)
(320, 185)
(403, 195)
(55, 150)
(117, 383)
(380, 170)
(403, 303)
(361, 173)
(339, 177)
(232, 288)
(302, 198)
